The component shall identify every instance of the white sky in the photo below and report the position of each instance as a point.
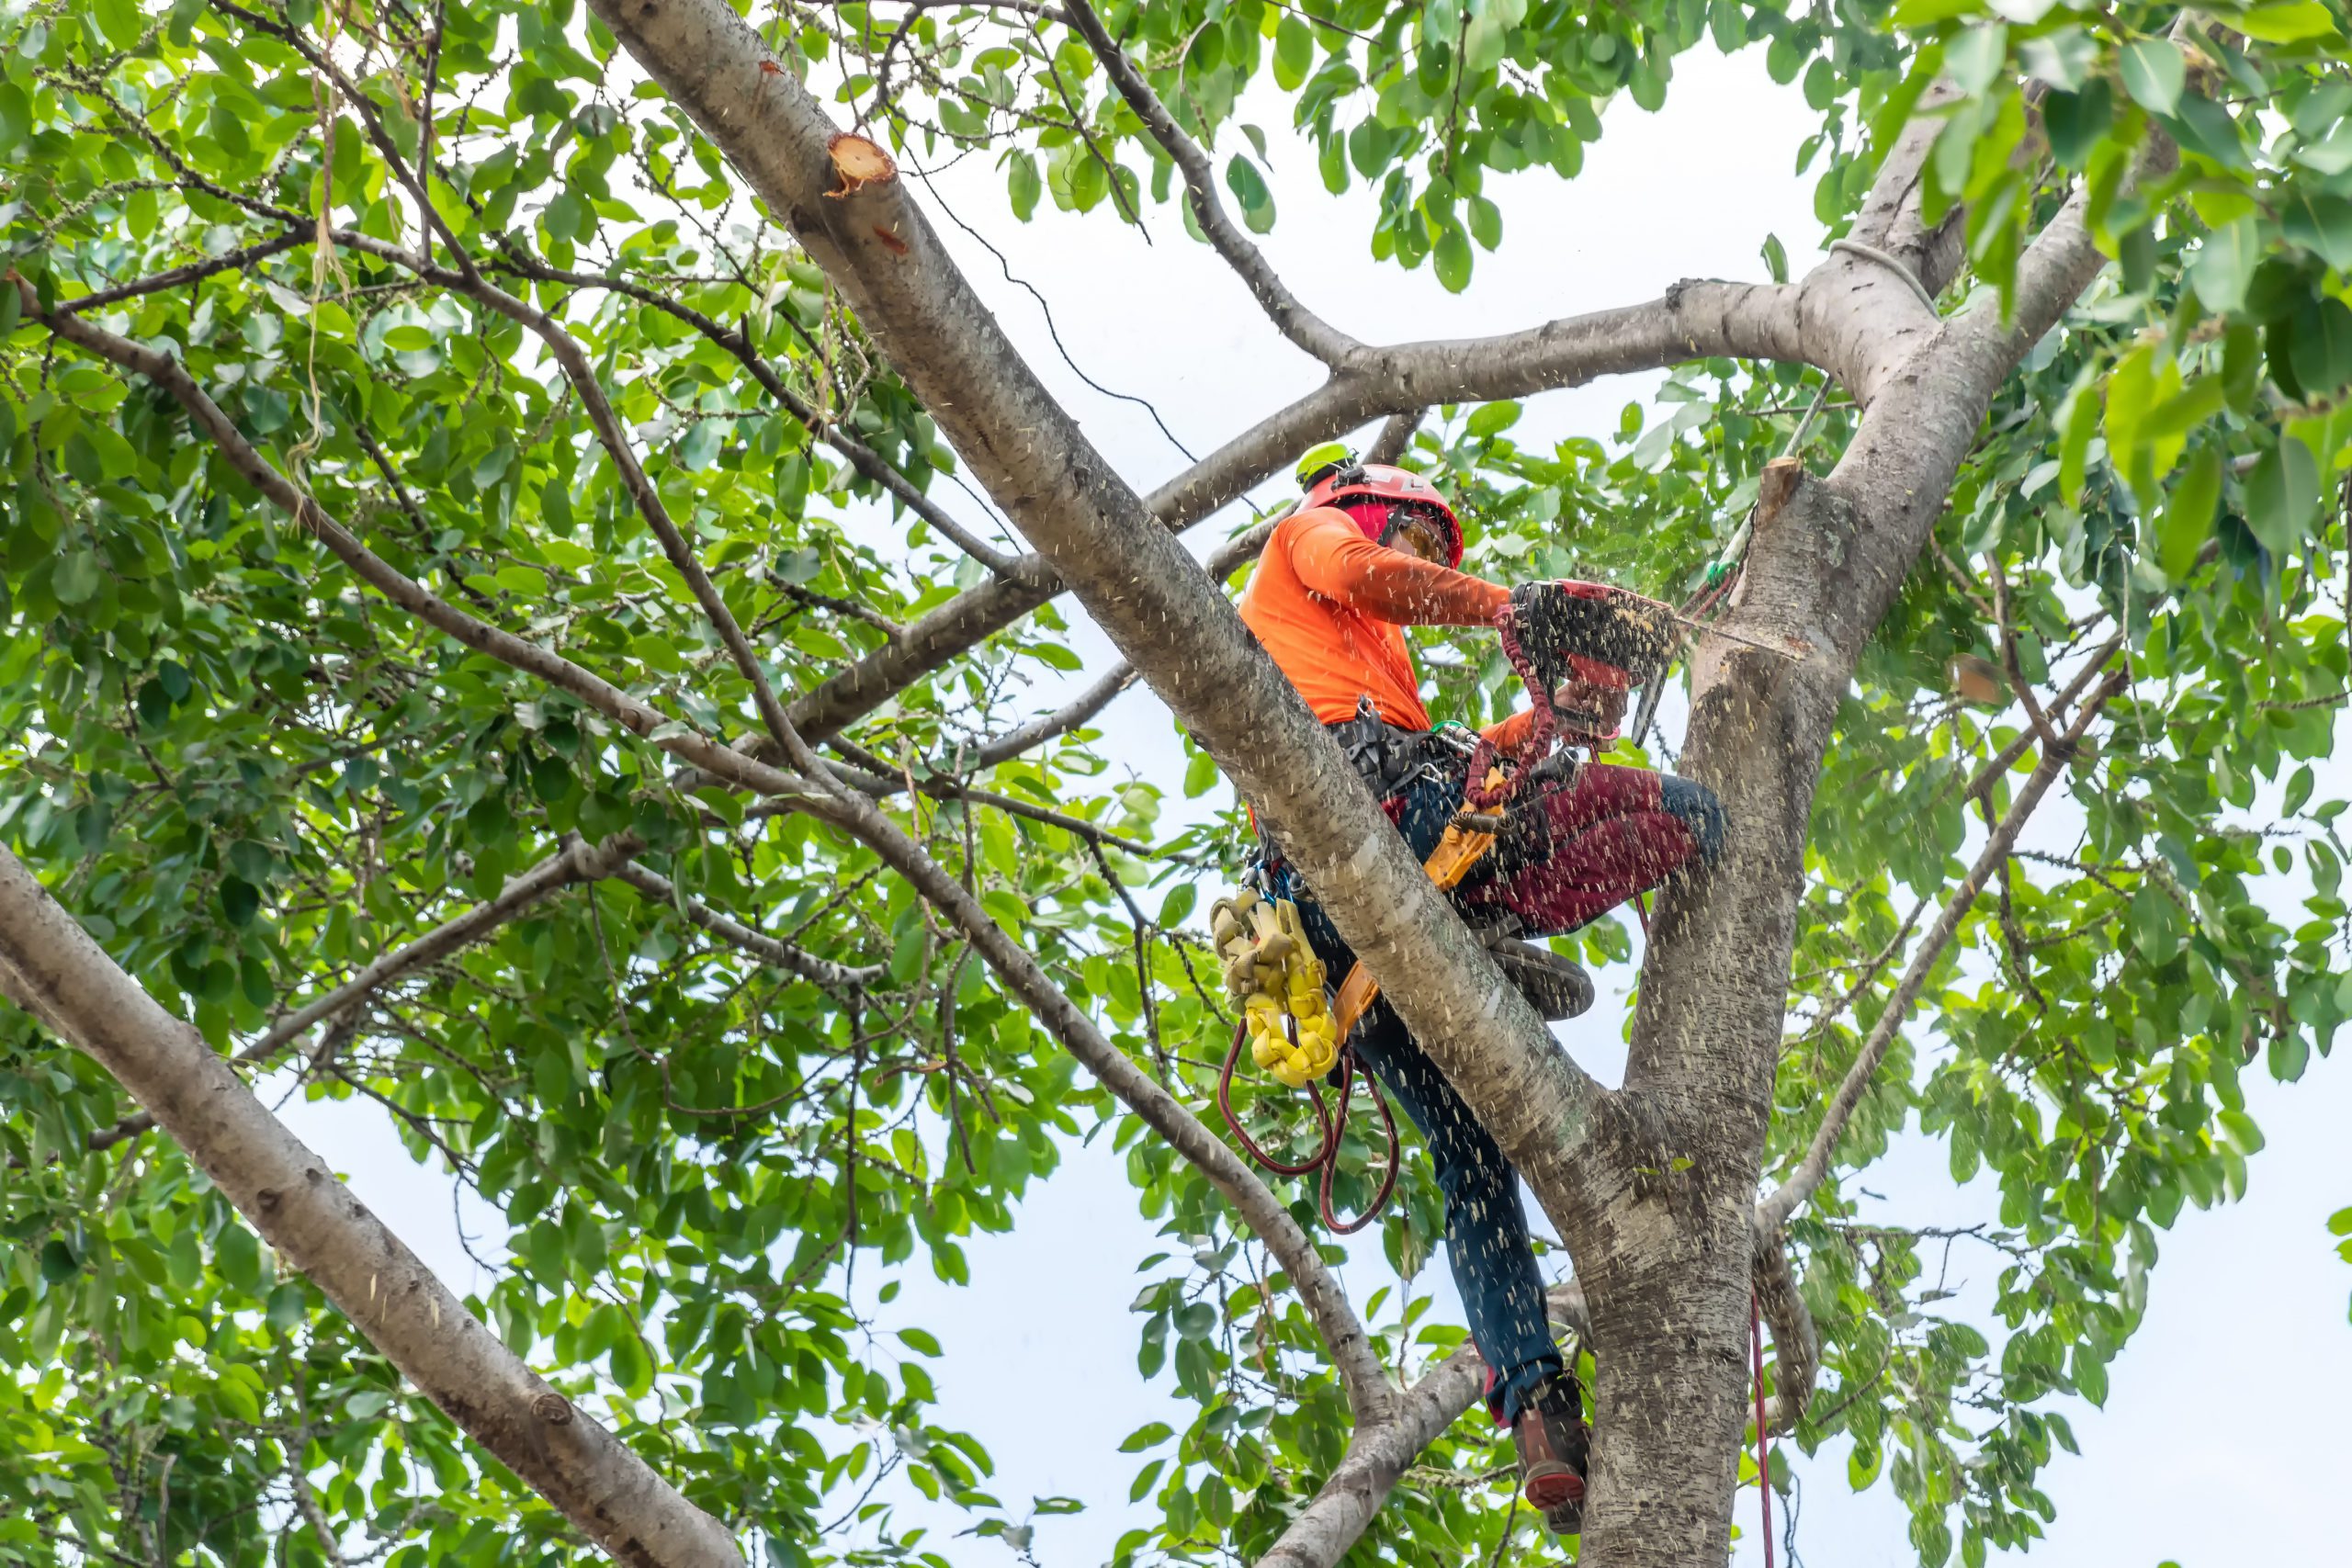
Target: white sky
(2224, 1439)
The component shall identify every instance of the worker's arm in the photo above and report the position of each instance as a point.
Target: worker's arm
(1510, 733)
(1584, 707)
(1333, 558)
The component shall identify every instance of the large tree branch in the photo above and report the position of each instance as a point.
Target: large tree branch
(1395, 435)
(1129, 572)
(50, 966)
(1293, 320)
(1814, 1168)
(1796, 1344)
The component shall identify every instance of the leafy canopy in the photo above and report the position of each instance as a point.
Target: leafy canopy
(249, 777)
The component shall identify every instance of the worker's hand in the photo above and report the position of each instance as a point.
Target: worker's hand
(1587, 706)
(1562, 625)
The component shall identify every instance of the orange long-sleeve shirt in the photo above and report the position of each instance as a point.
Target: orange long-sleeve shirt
(1331, 607)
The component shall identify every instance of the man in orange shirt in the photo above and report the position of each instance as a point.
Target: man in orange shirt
(1371, 550)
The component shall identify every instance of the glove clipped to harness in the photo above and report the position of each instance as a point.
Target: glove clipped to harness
(1277, 980)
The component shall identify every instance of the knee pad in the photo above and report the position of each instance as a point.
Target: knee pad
(1695, 807)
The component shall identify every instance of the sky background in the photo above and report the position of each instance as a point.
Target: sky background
(2223, 1441)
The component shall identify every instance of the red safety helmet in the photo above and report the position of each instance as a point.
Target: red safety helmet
(1336, 484)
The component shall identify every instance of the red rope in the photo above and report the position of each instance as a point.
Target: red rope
(1324, 1160)
(1763, 1434)
(1541, 730)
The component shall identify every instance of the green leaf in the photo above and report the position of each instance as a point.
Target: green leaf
(57, 1263)
(2291, 21)
(2282, 496)
(1776, 258)
(287, 1307)
(76, 577)
(2188, 515)
(240, 900)
(1485, 222)
(119, 20)
(1249, 187)
(1451, 257)
(2077, 121)
(2154, 73)
(1198, 775)
(1492, 419)
(2321, 349)
(1023, 184)
(918, 1340)
(2204, 125)
(2321, 223)
(16, 121)
(238, 1400)
(1176, 906)
(632, 1367)
(2241, 1131)
(252, 862)
(1293, 53)
(2078, 421)
(1146, 1437)
(2184, 411)
(2225, 264)
(2298, 791)
(2090, 1375)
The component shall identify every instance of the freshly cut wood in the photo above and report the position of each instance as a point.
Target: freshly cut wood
(859, 162)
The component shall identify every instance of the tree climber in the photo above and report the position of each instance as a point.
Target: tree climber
(1373, 549)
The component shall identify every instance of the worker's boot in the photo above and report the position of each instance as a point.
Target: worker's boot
(1552, 1439)
(1553, 985)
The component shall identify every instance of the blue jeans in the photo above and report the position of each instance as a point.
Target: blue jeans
(1486, 1241)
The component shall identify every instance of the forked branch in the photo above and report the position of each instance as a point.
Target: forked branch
(1293, 320)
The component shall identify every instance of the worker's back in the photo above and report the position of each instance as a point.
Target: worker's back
(1331, 652)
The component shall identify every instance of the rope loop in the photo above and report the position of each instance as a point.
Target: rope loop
(1324, 1160)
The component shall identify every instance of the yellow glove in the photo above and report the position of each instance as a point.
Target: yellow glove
(1274, 974)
